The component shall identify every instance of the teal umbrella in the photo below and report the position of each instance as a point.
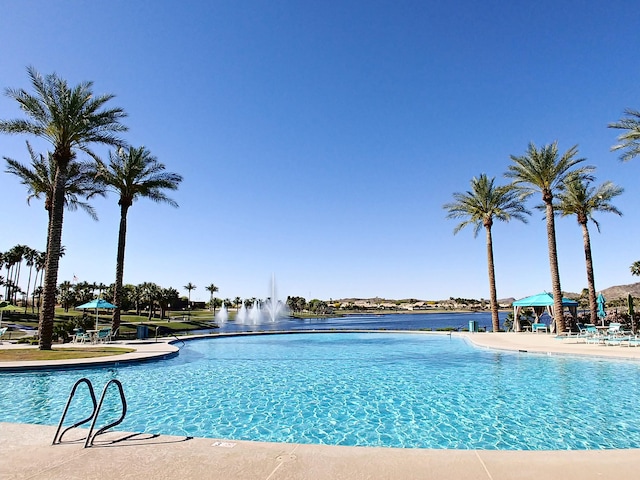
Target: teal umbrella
(633, 322)
(601, 301)
(98, 304)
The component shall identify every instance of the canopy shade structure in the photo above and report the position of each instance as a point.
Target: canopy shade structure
(540, 303)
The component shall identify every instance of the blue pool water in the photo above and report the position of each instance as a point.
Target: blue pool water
(372, 389)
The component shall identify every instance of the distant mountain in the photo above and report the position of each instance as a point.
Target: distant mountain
(621, 291)
(612, 293)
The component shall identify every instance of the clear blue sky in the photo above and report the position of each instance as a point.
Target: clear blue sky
(319, 140)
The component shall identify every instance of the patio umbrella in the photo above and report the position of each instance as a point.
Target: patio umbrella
(601, 313)
(633, 322)
(98, 304)
(6, 306)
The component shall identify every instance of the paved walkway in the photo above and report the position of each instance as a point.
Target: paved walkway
(26, 453)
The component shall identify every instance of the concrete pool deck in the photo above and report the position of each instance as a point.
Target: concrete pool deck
(27, 453)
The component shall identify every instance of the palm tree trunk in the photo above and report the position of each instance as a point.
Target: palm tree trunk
(117, 289)
(495, 319)
(54, 239)
(26, 305)
(16, 282)
(7, 288)
(593, 306)
(558, 313)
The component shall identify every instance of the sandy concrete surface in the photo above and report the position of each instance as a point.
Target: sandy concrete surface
(26, 451)
(549, 344)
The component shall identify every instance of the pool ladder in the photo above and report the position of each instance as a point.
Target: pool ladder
(94, 414)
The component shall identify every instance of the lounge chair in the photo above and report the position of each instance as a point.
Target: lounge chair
(571, 333)
(593, 335)
(103, 335)
(3, 330)
(537, 327)
(634, 341)
(617, 336)
(585, 331)
(81, 336)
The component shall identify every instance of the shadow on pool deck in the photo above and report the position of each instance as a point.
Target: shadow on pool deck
(27, 453)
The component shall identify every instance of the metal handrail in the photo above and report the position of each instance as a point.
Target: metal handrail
(90, 438)
(58, 439)
(171, 334)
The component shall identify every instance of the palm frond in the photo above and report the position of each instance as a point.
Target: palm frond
(630, 139)
(485, 202)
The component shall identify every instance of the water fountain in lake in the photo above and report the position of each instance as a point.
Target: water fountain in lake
(260, 312)
(223, 315)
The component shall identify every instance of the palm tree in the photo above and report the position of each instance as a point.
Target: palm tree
(133, 173)
(479, 207)
(138, 296)
(67, 296)
(635, 268)
(71, 119)
(12, 260)
(150, 293)
(630, 140)
(237, 302)
(583, 200)
(30, 257)
(167, 296)
(39, 264)
(189, 286)
(211, 289)
(40, 180)
(101, 287)
(543, 171)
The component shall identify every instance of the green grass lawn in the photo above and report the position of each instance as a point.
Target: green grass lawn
(199, 319)
(27, 354)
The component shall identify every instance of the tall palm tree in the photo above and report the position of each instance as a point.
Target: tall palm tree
(581, 199)
(211, 289)
(133, 173)
(544, 171)
(479, 207)
(30, 258)
(39, 264)
(629, 140)
(189, 286)
(12, 259)
(71, 119)
(40, 178)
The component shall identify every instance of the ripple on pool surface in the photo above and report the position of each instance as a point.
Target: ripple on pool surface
(397, 390)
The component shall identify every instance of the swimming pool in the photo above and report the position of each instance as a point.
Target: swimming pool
(371, 389)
